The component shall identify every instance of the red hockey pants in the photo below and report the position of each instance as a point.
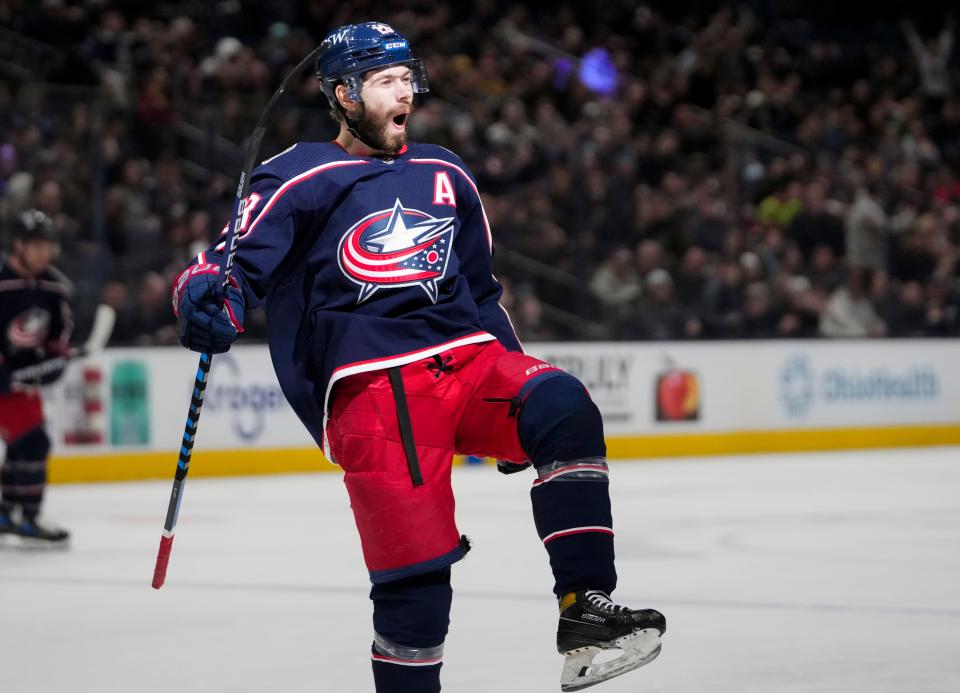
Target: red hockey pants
(460, 401)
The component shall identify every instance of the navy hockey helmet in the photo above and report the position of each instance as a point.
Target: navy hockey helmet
(354, 49)
(33, 225)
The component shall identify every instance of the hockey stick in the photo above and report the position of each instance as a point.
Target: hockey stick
(203, 369)
(103, 321)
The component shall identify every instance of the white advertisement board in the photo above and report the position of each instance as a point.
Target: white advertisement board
(730, 386)
(137, 399)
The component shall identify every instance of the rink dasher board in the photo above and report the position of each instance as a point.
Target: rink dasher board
(119, 416)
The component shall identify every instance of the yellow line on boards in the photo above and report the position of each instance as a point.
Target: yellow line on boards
(806, 440)
(130, 466)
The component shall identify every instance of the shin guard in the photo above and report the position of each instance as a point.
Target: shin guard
(410, 621)
(561, 429)
(24, 474)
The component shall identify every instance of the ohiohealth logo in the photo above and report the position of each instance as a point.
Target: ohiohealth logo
(796, 385)
(801, 386)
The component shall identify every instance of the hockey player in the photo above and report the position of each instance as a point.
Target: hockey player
(35, 324)
(372, 257)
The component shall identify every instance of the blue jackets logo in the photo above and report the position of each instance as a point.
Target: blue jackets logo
(394, 248)
(802, 387)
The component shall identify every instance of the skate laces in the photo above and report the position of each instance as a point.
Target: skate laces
(600, 600)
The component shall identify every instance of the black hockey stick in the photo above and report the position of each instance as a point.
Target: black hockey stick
(203, 369)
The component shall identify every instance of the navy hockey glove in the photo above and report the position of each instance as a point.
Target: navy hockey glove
(202, 324)
(4, 381)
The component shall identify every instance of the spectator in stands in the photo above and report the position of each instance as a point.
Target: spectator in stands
(802, 308)
(761, 317)
(650, 256)
(737, 136)
(867, 230)
(692, 276)
(152, 305)
(849, 312)
(616, 283)
(910, 315)
(933, 60)
(527, 317)
(814, 225)
(720, 307)
(658, 315)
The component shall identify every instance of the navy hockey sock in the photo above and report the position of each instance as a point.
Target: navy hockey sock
(410, 621)
(24, 474)
(561, 429)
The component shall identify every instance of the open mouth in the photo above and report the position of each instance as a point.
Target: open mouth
(400, 119)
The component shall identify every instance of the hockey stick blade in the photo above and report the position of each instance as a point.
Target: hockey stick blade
(103, 321)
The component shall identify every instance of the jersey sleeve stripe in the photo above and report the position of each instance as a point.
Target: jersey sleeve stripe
(13, 284)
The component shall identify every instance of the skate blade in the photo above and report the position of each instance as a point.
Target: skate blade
(588, 666)
(34, 544)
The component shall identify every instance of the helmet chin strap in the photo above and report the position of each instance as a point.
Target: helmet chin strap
(352, 128)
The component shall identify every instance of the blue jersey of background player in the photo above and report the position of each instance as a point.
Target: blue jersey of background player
(372, 258)
(35, 326)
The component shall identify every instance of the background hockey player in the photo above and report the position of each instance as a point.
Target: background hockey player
(35, 325)
(373, 259)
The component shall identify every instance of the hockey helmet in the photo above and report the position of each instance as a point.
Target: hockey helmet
(351, 50)
(33, 225)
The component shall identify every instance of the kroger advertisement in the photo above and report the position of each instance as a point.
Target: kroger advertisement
(136, 399)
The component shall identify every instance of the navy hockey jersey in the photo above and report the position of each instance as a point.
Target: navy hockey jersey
(35, 317)
(364, 263)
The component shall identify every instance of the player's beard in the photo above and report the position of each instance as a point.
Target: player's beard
(372, 129)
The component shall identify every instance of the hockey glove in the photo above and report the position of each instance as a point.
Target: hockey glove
(202, 323)
(505, 467)
(4, 381)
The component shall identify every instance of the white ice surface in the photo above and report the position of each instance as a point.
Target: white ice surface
(828, 573)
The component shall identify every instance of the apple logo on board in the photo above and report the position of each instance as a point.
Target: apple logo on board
(677, 394)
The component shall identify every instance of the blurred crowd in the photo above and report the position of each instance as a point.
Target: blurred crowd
(650, 171)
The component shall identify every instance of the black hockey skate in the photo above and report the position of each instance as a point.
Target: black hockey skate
(7, 526)
(593, 629)
(34, 533)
